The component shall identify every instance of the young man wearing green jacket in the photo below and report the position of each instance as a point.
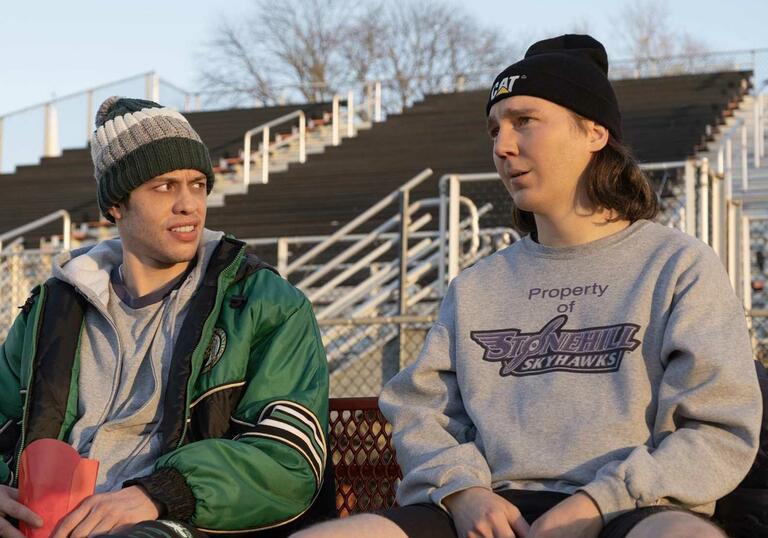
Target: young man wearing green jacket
(190, 370)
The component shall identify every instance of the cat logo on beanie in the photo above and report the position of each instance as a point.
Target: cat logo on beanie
(569, 70)
(505, 85)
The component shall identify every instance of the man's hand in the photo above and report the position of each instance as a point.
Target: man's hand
(480, 513)
(10, 506)
(575, 517)
(104, 512)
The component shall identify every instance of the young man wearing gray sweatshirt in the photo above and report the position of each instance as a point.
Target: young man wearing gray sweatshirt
(593, 379)
(192, 372)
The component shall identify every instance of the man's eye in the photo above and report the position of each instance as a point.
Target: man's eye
(164, 187)
(524, 120)
(493, 133)
(200, 185)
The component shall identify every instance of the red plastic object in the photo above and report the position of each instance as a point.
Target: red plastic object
(53, 480)
(364, 462)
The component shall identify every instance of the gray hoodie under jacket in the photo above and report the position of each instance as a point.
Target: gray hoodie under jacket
(621, 368)
(124, 361)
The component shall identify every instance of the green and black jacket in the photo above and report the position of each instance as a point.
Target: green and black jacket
(245, 414)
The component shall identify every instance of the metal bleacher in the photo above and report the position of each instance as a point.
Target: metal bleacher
(301, 220)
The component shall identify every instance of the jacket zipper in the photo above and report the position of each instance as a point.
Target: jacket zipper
(237, 259)
(40, 309)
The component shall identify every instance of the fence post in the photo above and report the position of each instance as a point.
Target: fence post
(757, 131)
(405, 224)
(704, 201)
(719, 206)
(50, 131)
(152, 87)
(744, 163)
(443, 227)
(746, 263)
(690, 197)
(89, 119)
(369, 102)
(716, 185)
(350, 114)
(282, 256)
(335, 121)
(302, 138)
(377, 101)
(454, 192)
(265, 156)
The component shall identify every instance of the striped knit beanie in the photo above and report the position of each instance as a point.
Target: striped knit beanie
(136, 140)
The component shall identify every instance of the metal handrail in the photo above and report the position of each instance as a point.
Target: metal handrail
(152, 88)
(302, 134)
(422, 254)
(357, 221)
(84, 92)
(363, 241)
(42, 221)
(265, 147)
(379, 320)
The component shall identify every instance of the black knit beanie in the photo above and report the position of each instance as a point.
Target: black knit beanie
(136, 140)
(570, 70)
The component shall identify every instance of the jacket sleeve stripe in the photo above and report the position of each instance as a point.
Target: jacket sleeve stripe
(309, 415)
(318, 435)
(288, 439)
(319, 459)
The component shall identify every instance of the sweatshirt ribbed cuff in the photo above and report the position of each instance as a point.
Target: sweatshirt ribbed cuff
(459, 479)
(169, 488)
(439, 495)
(611, 496)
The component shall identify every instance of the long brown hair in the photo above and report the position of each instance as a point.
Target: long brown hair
(613, 180)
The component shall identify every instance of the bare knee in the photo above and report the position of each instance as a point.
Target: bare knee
(368, 525)
(674, 524)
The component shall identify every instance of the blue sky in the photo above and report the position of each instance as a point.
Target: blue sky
(49, 47)
(52, 48)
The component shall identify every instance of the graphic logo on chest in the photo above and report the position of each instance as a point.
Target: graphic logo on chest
(591, 351)
(215, 349)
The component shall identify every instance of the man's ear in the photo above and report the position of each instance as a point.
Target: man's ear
(116, 212)
(597, 136)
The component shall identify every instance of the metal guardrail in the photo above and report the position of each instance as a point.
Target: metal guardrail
(35, 224)
(723, 217)
(265, 145)
(357, 221)
(50, 138)
(265, 130)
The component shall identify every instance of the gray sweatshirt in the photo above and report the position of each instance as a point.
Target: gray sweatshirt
(125, 355)
(621, 367)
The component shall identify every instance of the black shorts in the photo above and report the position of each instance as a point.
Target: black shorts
(428, 520)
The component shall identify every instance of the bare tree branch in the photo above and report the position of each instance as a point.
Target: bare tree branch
(312, 48)
(653, 45)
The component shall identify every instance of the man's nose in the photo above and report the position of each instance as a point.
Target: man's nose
(505, 144)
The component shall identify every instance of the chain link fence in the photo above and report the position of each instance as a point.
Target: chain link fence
(759, 332)
(671, 202)
(363, 354)
(20, 271)
(758, 246)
